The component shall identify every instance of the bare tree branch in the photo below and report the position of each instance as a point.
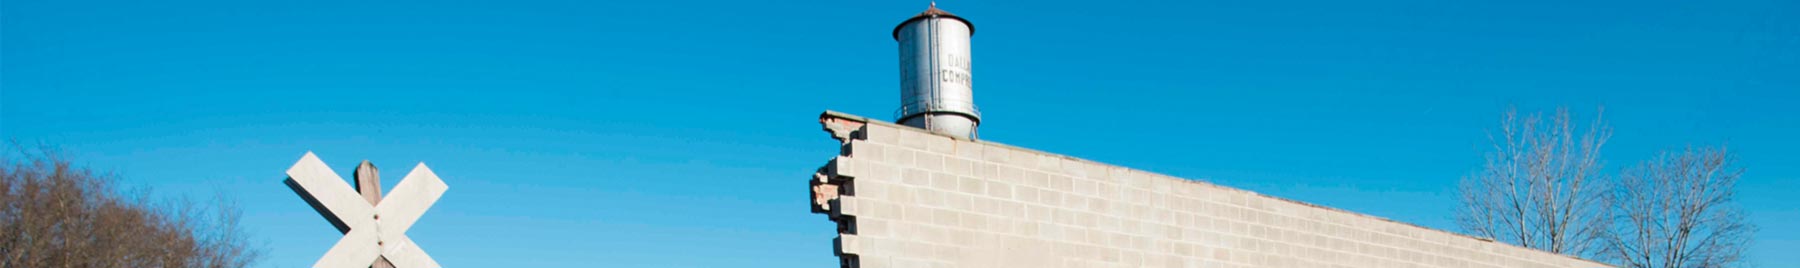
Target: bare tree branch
(1677, 210)
(1541, 185)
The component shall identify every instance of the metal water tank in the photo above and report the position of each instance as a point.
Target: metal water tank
(936, 85)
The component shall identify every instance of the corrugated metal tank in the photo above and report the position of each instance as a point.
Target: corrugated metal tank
(936, 85)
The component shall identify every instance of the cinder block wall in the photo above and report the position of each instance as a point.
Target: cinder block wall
(903, 197)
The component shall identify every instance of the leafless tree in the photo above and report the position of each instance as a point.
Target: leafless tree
(1541, 186)
(1676, 210)
(54, 214)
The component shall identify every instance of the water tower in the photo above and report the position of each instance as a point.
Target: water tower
(936, 92)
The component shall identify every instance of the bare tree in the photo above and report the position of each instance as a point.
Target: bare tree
(1541, 186)
(53, 214)
(1676, 210)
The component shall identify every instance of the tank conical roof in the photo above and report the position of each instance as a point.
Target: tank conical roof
(932, 12)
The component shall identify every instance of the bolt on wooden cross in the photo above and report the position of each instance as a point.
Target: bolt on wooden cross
(374, 229)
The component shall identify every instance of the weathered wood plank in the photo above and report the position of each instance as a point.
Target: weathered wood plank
(408, 201)
(368, 183)
(329, 190)
(356, 249)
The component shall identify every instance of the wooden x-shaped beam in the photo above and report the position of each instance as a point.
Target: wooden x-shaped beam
(370, 231)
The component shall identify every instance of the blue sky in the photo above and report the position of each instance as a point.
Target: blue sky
(680, 134)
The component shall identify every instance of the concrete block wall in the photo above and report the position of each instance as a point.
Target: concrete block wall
(903, 197)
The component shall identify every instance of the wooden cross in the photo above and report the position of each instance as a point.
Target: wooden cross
(368, 182)
(374, 231)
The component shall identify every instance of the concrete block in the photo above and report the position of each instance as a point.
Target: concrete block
(1086, 188)
(1073, 167)
(968, 149)
(915, 177)
(1110, 191)
(879, 171)
(959, 166)
(998, 190)
(1009, 175)
(1062, 183)
(913, 139)
(927, 160)
(874, 262)
(917, 215)
(973, 221)
(1022, 158)
(873, 227)
(987, 171)
(1098, 171)
(985, 205)
(898, 156)
(944, 181)
(1011, 209)
(945, 217)
(960, 201)
(995, 154)
(844, 167)
(930, 198)
(1037, 179)
(874, 189)
(882, 133)
(1049, 163)
(1025, 193)
(972, 186)
(845, 205)
(866, 150)
(847, 244)
(940, 144)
